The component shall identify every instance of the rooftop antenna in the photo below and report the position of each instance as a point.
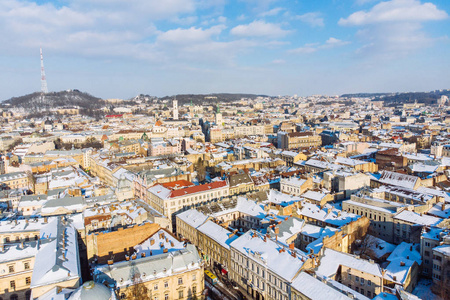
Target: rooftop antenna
(44, 88)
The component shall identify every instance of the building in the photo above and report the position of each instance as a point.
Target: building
(175, 109)
(241, 183)
(380, 213)
(16, 180)
(298, 140)
(363, 276)
(171, 273)
(214, 245)
(295, 186)
(187, 223)
(169, 201)
(266, 268)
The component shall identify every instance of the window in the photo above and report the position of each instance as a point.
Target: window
(194, 290)
(12, 284)
(427, 253)
(349, 276)
(27, 280)
(26, 265)
(362, 280)
(180, 280)
(166, 296)
(166, 284)
(180, 294)
(357, 289)
(11, 269)
(155, 298)
(369, 294)
(194, 277)
(362, 291)
(155, 287)
(369, 282)
(357, 278)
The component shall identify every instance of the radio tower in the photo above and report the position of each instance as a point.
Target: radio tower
(44, 88)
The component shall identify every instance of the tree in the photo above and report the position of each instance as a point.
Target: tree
(32, 181)
(138, 291)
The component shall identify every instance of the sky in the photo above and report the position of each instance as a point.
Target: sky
(122, 48)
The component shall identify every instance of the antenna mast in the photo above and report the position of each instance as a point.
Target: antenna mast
(44, 88)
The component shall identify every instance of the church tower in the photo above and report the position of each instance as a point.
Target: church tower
(218, 116)
(175, 109)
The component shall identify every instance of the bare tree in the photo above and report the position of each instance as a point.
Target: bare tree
(138, 291)
(32, 181)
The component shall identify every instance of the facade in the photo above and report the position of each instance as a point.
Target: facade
(172, 275)
(16, 180)
(264, 267)
(295, 186)
(298, 140)
(171, 201)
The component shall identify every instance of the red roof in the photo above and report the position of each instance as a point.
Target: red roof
(198, 188)
(114, 116)
(177, 184)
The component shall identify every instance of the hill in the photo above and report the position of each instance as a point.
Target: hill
(209, 98)
(36, 102)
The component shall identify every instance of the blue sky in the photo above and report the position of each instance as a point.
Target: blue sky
(120, 48)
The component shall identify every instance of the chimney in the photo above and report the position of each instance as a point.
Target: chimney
(143, 254)
(165, 250)
(152, 242)
(45, 219)
(402, 264)
(443, 206)
(410, 248)
(281, 250)
(277, 230)
(291, 246)
(293, 254)
(265, 239)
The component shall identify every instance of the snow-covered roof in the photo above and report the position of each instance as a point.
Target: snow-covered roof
(316, 289)
(415, 218)
(54, 262)
(267, 251)
(407, 251)
(192, 217)
(403, 180)
(217, 233)
(332, 259)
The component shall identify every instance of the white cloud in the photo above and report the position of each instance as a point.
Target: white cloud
(278, 61)
(396, 11)
(273, 12)
(314, 47)
(260, 29)
(190, 35)
(393, 29)
(314, 19)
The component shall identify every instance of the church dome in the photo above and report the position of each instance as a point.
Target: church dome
(91, 290)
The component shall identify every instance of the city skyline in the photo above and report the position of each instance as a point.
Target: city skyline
(113, 49)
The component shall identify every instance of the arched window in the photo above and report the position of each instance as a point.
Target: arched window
(14, 297)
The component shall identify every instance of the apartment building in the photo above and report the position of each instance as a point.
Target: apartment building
(214, 245)
(187, 223)
(295, 186)
(441, 268)
(266, 268)
(363, 276)
(380, 213)
(298, 140)
(15, 180)
(169, 201)
(162, 264)
(431, 237)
